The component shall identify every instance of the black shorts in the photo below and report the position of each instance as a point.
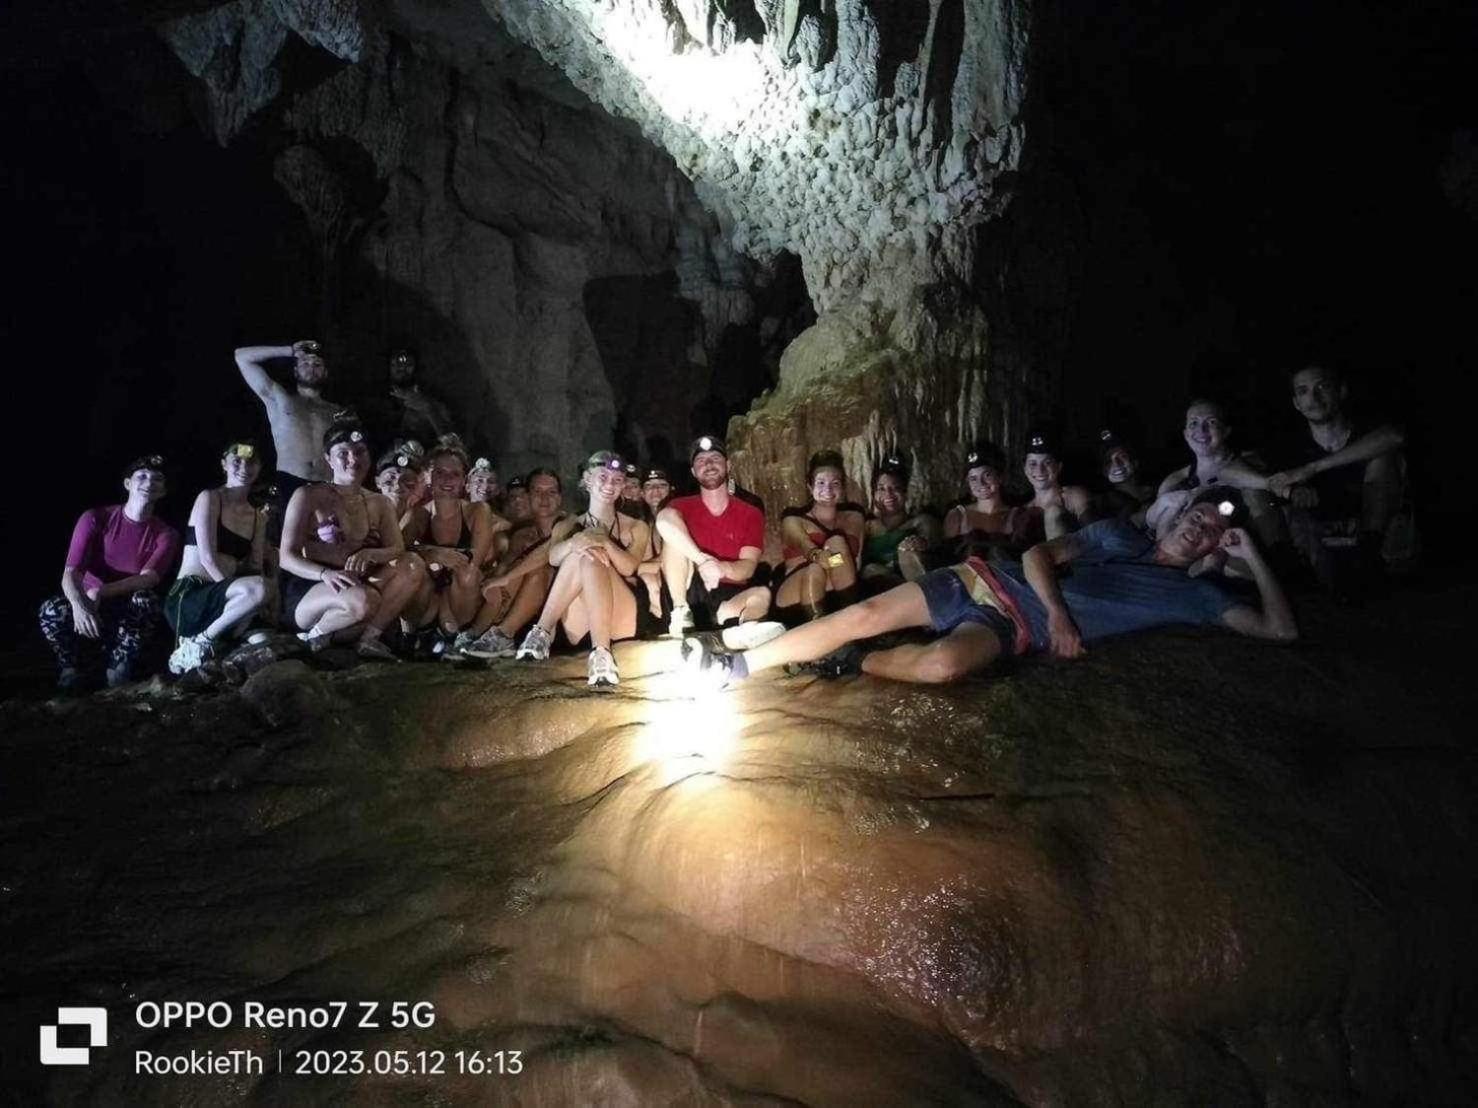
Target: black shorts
(194, 603)
(705, 602)
(290, 592)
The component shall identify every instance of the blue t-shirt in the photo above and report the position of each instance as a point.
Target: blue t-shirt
(1114, 587)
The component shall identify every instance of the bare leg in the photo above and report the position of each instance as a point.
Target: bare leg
(243, 597)
(843, 576)
(969, 647)
(678, 570)
(651, 579)
(325, 612)
(1380, 495)
(568, 580)
(461, 599)
(747, 606)
(398, 583)
(421, 609)
(806, 586)
(495, 601)
(528, 598)
(890, 611)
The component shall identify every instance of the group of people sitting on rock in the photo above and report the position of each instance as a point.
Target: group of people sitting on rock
(441, 559)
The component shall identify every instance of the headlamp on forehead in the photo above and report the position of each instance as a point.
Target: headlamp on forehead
(243, 450)
(401, 357)
(1226, 508)
(482, 463)
(972, 458)
(654, 475)
(615, 465)
(1105, 436)
(402, 461)
(1038, 442)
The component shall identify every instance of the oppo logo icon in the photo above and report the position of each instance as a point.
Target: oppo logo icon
(96, 1022)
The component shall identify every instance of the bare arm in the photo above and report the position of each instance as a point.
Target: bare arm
(295, 538)
(1040, 564)
(955, 522)
(626, 562)
(203, 517)
(793, 534)
(1275, 620)
(249, 361)
(1383, 440)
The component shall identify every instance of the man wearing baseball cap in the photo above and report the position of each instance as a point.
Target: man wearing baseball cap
(712, 542)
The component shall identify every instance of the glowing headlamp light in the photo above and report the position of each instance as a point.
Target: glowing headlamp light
(1226, 507)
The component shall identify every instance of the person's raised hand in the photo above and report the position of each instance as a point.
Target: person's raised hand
(1238, 543)
(1064, 638)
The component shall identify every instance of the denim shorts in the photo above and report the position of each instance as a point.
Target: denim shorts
(950, 604)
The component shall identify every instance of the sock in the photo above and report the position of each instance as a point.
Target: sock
(738, 667)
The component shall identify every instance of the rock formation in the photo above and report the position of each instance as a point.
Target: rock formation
(1186, 869)
(879, 143)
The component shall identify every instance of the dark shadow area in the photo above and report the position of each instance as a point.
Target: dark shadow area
(1259, 187)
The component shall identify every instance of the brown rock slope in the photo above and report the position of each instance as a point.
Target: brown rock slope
(1188, 869)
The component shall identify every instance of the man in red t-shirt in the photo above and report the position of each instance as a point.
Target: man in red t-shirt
(722, 537)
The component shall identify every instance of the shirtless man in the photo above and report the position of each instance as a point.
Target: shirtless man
(299, 418)
(1345, 480)
(514, 595)
(711, 547)
(1121, 581)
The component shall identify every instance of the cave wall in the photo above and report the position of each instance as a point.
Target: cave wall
(871, 141)
(466, 201)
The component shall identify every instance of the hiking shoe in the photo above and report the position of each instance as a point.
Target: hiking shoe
(747, 636)
(192, 652)
(458, 646)
(844, 661)
(535, 645)
(492, 643)
(374, 650)
(601, 668)
(315, 643)
(710, 668)
(680, 622)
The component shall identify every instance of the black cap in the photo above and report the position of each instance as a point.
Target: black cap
(656, 474)
(1040, 442)
(145, 461)
(985, 454)
(705, 443)
(343, 432)
(515, 483)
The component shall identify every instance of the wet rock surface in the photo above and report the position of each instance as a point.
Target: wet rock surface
(1188, 869)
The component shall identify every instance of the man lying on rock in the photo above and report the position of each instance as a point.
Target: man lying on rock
(1121, 581)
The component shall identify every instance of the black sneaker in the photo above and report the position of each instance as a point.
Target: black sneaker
(844, 661)
(709, 667)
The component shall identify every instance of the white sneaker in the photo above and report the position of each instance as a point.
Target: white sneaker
(601, 668)
(192, 652)
(747, 636)
(535, 645)
(680, 622)
(492, 643)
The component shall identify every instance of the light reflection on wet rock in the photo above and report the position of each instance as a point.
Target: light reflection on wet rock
(1048, 887)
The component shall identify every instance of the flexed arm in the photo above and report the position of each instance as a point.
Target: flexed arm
(249, 361)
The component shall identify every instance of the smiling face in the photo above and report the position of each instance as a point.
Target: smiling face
(1041, 471)
(241, 472)
(147, 485)
(711, 469)
(397, 482)
(604, 484)
(1206, 429)
(349, 461)
(1118, 466)
(888, 493)
(1318, 394)
(482, 485)
(516, 504)
(544, 497)
(448, 477)
(984, 482)
(1195, 534)
(827, 485)
(655, 491)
